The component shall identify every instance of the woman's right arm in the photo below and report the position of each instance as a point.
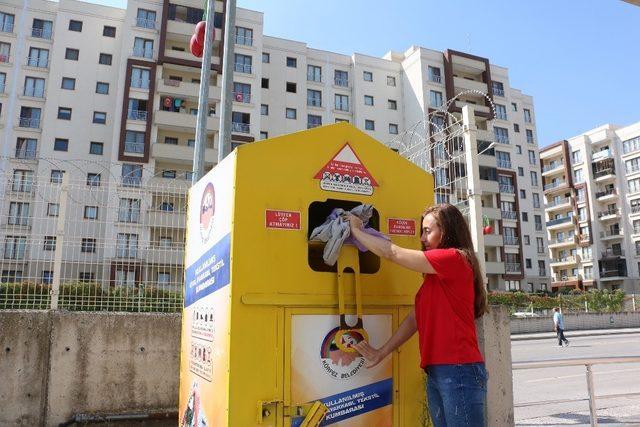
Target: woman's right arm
(407, 328)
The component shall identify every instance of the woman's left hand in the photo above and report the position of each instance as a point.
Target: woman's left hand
(354, 222)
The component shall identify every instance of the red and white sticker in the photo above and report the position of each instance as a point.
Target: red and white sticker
(345, 173)
(282, 220)
(402, 227)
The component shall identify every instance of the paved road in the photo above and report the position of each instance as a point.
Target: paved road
(570, 382)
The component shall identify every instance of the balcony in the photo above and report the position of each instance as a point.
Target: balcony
(511, 241)
(562, 261)
(513, 267)
(614, 274)
(178, 89)
(149, 24)
(507, 189)
(513, 215)
(605, 175)
(165, 254)
(493, 267)
(557, 185)
(462, 84)
(138, 115)
(183, 122)
(566, 241)
(559, 203)
(493, 240)
(240, 127)
(29, 122)
(609, 214)
(503, 164)
(477, 107)
(560, 221)
(607, 194)
(552, 168)
(584, 238)
(612, 253)
(601, 155)
(182, 154)
(166, 219)
(611, 235)
(133, 147)
(242, 97)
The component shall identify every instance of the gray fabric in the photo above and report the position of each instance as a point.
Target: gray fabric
(335, 230)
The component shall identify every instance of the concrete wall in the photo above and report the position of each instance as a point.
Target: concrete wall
(57, 364)
(494, 339)
(54, 365)
(578, 322)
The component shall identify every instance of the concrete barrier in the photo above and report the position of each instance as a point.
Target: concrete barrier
(54, 365)
(577, 322)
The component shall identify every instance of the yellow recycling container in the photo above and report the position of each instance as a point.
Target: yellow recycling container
(267, 325)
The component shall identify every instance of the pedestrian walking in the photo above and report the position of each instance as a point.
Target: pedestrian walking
(558, 326)
(452, 296)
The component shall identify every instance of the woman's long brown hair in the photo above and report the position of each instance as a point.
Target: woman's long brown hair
(456, 234)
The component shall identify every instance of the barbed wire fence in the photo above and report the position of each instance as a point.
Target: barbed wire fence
(82, 235)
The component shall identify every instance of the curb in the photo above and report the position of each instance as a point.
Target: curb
(575, 334)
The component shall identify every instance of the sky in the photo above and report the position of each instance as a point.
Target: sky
(579, 59)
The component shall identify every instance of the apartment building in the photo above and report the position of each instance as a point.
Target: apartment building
(118, 87)
(592, 204)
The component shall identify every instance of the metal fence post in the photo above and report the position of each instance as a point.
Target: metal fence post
(57, 260)
(593, 412)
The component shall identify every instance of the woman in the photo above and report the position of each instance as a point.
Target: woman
(452, 296)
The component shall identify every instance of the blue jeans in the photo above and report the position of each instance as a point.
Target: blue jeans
(457, 394)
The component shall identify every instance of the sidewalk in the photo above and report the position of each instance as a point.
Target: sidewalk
(589, 333)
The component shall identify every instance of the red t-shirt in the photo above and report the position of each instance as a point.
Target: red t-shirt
(445, 311)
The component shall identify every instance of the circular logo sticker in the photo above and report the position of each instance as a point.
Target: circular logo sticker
(207, 209)
(337, 363)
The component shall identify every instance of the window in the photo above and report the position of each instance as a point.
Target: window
(170, 141)
(537, 219)
(292, 62)
(38, 58)
(5, 50)
(264, 110)
(6, 22)
(634, 185)
(532, 157)
(134, 142)
(527, 240)
(341, 78)
(393, 128)
(516, 128)
(342, 102)
(61, 144)
(314, 73)
(314, 98)
(105, 59)
(75, 25)
(146, 19)
(630, 145)
(291, 87)
(169, 173)
(368, 100)
(56, 176)
(536, 200)
(501, 112)
(435, 98)
(164, 278)
(14, 248)
(88, 245)
(47, 277)
(242, 92)
(527, 263)
(527, 115)
(33, 87)
(22, 181)
(264, 135)
(392, 104)
(341, 121)
(131, 175)
(391, 81)
(434, 74)
(266, 58)
(99, 117)
(96, 148)
(71, 54)
(18, 213)
(244, 36)
(525, 217)
(143, 48)
(64, 113)
(576, 157)
(501, 134)
(498, 88)
(367, 76)
(53, 209)
(108, 31)
(313, 121)
(369, 125)
(514, 106)
(129, 210)
(265, 83)
(578, 176)
(102, 88)
(87, 276)
(291, 113)
(93, 179)
(139, 78)
(68, 83)
(90, 212)
(534, 178)
(49, 243)
(126, 245)
(125, 277)
(523, 194)
(529, 133)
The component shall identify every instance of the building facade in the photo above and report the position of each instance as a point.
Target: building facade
(592, 203)
(117, 90)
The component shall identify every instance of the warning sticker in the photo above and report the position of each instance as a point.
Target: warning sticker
(402, 227)
(345, 173)
(285, 220)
